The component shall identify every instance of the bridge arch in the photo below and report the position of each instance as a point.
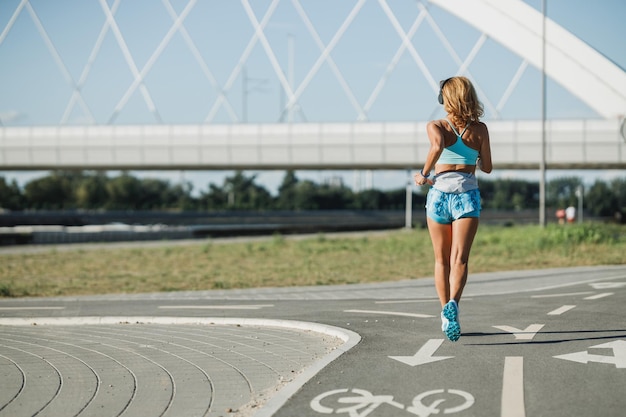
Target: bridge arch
(579, 68)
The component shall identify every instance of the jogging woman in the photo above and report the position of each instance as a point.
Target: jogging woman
(458, 144)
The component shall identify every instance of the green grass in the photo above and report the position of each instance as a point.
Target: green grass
(283, 261)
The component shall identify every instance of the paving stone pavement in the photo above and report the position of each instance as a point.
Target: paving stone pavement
(153, 366)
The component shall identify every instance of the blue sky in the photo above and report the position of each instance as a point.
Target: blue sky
(36, 89)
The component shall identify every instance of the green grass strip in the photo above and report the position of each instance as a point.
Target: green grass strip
(279, 261)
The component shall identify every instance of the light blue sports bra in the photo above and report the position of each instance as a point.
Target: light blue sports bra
(458, 153)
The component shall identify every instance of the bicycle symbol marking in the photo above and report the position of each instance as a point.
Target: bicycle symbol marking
(420, 409)
(357, 402)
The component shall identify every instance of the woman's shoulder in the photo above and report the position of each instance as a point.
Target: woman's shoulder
(479, 126)
(483, 124)
(438, 124)
(434, 125)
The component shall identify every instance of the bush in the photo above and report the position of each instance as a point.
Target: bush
(589, 233)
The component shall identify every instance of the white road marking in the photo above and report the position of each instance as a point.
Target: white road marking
(598, 296)
(407, 301)
(591, 282)
(513, 388)
(527, 334)
(607, 285)
(618, 358)
(422, 410)
(362, 403)
(30, 308)
(218, 307)
(421, 300)
(562, 295)
(390, 313)
(560, 310)
(424, 355)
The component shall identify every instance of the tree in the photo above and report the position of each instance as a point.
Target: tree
(370, 200)
(181, 198)
(244, 194)
(509, 194)
(91, 192)
(62, 190)
(154, 194)
(287, 192)
(331, 197)
(11, 197)
(305, 195)
(601, 201)
(124, 193)
(54, 192)
(561, 192)
(396, 199)
(618, 185)
(214, 199)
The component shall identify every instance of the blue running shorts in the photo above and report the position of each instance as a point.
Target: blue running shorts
(444, 207)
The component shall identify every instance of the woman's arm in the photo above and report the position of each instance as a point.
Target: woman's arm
(435, 136)
(484, 159)
(437, 144)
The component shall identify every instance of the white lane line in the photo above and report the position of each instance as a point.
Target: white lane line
(513, 388)
(598, 296)
(560, 310)
(407, 301)
(390, 313)
(30, 308)
(218, 307)
(552, 287)
(420, 300)
(562, 295)
(607, 285)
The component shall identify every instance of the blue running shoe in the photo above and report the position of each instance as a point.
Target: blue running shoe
(453, 329)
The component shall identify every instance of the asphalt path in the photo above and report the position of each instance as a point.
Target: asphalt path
(534, 343)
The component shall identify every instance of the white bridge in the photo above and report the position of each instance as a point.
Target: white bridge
(102, 143)
(364, 145)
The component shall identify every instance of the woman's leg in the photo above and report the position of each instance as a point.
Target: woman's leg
(463, 233)
(441, 237)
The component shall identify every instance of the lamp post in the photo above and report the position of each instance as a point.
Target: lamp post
(408, 211)
(580, 193)
(258, 85)
(542, 165)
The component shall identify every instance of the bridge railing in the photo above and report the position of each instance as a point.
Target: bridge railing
(587, 144)
(590, 144)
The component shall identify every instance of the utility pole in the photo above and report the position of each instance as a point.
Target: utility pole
(542, 165)
(580, 192)
(408, 207)
(258, 85)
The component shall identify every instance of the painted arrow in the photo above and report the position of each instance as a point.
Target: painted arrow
(618, 359)
(526, 334)
(424, 355)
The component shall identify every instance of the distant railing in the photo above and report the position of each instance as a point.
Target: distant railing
(79, 227)
(586, 144)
